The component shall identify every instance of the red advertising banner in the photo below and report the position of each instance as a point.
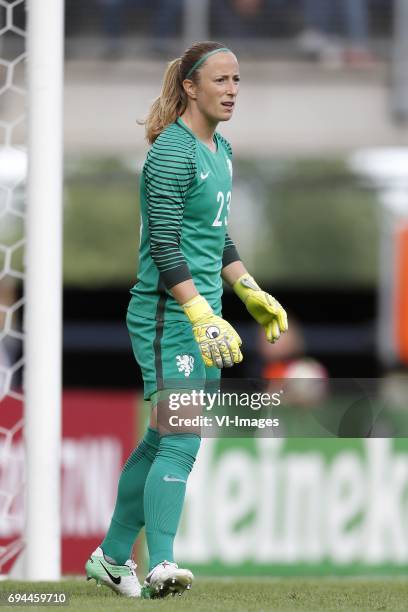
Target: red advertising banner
(99, 432)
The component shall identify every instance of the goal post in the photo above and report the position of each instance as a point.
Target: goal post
(43, 289)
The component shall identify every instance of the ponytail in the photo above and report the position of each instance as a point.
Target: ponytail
(169, 105)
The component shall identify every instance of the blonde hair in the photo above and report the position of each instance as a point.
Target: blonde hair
(173, 100)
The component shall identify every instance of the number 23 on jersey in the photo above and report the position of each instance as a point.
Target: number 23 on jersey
(221, 199)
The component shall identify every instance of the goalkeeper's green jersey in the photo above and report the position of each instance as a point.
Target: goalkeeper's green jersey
(185, 198)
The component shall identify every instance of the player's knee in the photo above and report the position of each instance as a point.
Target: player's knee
(180, 448)
(179, 417)
(184, 442)
(189, 443)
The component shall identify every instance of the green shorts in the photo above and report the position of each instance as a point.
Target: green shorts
(168, 355)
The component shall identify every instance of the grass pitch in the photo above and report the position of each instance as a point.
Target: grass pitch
(232, 594)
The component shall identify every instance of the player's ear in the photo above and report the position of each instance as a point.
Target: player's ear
(190, 89)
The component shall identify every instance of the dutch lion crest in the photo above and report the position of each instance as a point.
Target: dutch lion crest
(185, 363)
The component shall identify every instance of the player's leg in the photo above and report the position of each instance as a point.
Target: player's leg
(128, 516)
(163, 502)
(114, 554)
(182, 370)
(110, 563)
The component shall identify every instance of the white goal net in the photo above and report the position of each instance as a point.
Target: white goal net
(31, 75)
(12, 242)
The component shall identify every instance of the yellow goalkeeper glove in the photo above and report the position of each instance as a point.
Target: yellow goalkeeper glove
(218, 341)
(263, 307)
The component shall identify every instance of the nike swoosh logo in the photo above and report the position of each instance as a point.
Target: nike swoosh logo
(204, 176)
(173, 479)
(114, 579)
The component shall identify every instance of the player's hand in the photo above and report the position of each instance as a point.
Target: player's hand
(263, 307)
(218, 341)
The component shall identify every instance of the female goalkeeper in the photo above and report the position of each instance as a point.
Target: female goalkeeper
(174, 316)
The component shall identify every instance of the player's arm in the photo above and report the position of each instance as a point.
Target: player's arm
(167, 179)
(263, 307)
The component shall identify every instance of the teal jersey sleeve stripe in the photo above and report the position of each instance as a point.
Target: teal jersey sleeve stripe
(169, 171)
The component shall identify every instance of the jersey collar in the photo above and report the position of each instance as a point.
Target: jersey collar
(181, 123)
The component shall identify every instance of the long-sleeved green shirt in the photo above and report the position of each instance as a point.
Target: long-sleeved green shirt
(185, 197)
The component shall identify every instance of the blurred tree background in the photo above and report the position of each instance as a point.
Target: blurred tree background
(294, 221)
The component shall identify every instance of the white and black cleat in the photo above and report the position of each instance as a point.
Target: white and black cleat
(167, 579)
(120, 578)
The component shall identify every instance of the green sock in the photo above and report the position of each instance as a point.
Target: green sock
(128, 517)
(164, 493)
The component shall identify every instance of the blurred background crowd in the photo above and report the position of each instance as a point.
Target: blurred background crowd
(335, 31)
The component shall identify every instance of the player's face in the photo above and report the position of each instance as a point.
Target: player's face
(218, 87)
